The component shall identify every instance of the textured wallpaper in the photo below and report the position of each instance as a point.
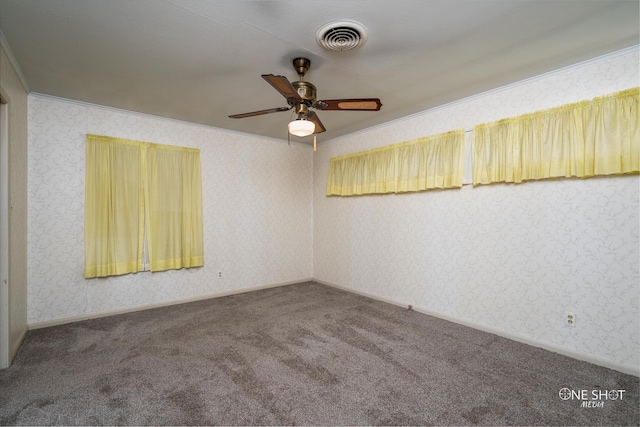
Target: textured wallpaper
(511, 258)
(257, 211)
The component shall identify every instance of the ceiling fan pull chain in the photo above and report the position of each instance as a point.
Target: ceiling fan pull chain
(314, 143)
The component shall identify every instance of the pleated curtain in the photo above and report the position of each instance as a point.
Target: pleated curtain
(174, 208)
(584, 139)
(130, 186)
(426, 163)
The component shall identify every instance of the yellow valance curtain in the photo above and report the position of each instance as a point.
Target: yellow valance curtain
(130, 184)
(431, 162)
(584, 139)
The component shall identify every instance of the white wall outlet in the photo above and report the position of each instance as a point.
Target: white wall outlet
(219, 274)
(570, 319)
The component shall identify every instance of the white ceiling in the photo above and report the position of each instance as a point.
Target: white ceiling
(200, 61)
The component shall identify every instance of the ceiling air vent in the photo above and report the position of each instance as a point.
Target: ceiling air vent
(341, 35)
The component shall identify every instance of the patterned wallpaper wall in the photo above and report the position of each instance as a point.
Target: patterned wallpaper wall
(512, 258)
(257, 208)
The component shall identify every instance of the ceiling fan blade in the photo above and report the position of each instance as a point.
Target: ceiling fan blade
(356, 104)
(282, 85)
(259, 113)
(313, 117)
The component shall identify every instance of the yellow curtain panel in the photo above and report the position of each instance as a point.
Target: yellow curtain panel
(175, 208)
(114, 207)
(426, 163)
(584, 139)
(130, 184)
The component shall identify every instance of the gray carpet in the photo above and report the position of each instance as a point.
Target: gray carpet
(304, 354)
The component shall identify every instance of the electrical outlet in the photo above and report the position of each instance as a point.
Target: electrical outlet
(570, 319)
(220, 274)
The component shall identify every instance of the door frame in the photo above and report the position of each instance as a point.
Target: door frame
(4, 234)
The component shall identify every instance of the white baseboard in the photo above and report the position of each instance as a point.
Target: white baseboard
(65, 320)
(515, 337)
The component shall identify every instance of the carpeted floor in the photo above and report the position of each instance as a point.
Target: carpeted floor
(304, 354)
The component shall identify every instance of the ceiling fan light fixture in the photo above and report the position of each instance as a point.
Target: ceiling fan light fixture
(302, 127)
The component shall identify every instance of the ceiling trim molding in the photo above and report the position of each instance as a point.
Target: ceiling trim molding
(12, 59)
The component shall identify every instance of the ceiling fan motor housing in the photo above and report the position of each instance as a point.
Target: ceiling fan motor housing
(307, 92)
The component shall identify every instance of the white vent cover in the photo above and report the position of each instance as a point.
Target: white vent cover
(341, 35)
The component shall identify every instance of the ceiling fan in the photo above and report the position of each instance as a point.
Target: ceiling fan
(301, 95)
